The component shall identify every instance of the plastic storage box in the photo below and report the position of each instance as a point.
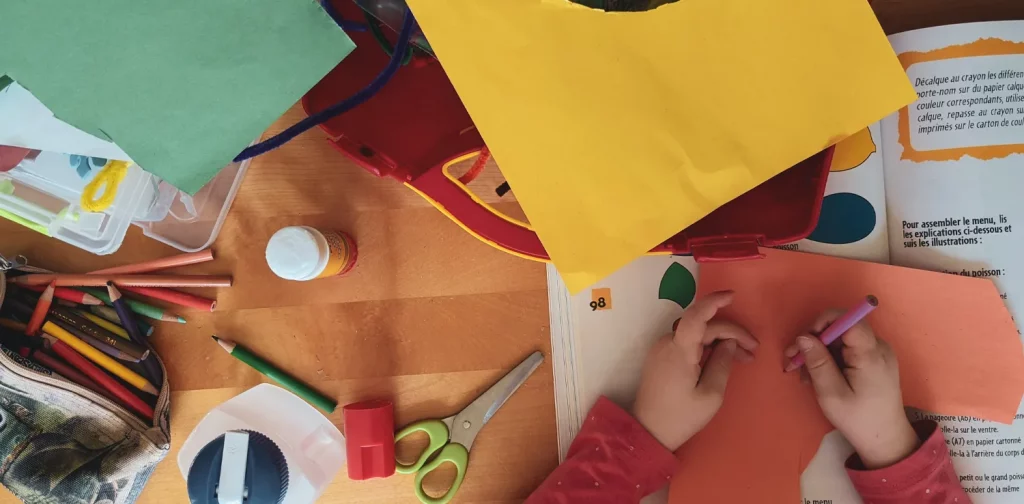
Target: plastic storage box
(44, 193)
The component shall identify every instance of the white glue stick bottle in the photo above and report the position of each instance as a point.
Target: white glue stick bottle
(303, 253)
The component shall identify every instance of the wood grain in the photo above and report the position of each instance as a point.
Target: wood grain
(429, 317)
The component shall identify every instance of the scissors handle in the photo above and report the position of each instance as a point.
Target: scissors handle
(457, 455)
(436, 430)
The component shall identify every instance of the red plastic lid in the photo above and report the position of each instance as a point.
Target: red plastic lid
(370, 439)
(784, 209)
(410, 125)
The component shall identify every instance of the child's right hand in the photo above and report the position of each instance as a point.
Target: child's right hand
(862, 400)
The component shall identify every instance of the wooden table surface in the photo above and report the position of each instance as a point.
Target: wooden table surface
(429, 317)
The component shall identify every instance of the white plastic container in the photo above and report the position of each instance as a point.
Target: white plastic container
(313, 447)
(43, 194)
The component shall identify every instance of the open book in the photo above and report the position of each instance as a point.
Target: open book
(935, 186)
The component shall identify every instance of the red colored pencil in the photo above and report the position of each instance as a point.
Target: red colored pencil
(71, 374)
(97, 375)
(174, 297)
(123, 280)
(158, 264)
(69, 294)
(42, 308)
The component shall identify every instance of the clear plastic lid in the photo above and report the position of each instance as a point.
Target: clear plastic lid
(192, 223)
(44, 194)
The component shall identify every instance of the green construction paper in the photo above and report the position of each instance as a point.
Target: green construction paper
(5, 81)
(181, 86)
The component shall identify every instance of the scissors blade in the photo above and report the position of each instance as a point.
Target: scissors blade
(469, 421)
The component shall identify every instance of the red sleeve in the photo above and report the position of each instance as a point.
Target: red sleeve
(925, 477)
(612, 460)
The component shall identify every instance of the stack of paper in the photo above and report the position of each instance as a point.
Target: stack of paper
(180, 87)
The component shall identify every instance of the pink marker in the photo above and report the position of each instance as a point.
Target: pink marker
(839, 327)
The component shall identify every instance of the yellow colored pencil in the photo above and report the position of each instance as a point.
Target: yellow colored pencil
(102, 360)
(104, 323)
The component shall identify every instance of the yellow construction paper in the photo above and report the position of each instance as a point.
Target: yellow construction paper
(618, 130)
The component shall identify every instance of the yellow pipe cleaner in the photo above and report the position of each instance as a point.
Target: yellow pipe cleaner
(107, 180)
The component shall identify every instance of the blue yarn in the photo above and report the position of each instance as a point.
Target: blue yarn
(360, 97)
(342, 22)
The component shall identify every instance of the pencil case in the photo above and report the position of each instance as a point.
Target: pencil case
(416, 129)
(63, 443)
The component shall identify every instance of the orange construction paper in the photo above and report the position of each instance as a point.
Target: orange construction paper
(958, 349)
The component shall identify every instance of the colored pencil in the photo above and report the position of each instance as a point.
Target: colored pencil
(116, 368)
(70, 373)
(110, 315)
(69, 294)
(68, 319)
(270, 371)
(95, 343)
(41, 310)
(125, 280)
(68, 353)
(174, 297)
(158, 264)
(17, 340)
(13, 325)
(150, 365)
(107, 325)
(144, 309)
(838, 328)
(20, 308)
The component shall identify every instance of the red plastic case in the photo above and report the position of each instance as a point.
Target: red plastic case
(416, 127)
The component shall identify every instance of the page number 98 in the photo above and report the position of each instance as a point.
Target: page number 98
(601, 299)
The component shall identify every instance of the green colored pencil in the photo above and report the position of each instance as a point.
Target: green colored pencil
(144, 309)
(295, 386)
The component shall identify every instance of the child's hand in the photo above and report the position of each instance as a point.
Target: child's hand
(676, 400)
(863, 400)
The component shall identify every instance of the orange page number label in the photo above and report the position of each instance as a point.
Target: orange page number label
(601, 299)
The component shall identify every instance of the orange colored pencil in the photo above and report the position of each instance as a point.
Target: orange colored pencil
(68, 294)
(172, 296)
(39, 314)
(97, 375)
(124, 280)
(158, 264)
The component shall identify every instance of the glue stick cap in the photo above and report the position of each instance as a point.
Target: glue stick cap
(370, 439)
(297, 253)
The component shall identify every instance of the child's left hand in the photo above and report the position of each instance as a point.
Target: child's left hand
(678, 395)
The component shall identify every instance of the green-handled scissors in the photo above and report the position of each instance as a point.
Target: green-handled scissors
(451, 438)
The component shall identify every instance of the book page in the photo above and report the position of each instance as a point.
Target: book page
(600, 337)
(955, 202)
(954, 170)
(621, 317)
(852, 223)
